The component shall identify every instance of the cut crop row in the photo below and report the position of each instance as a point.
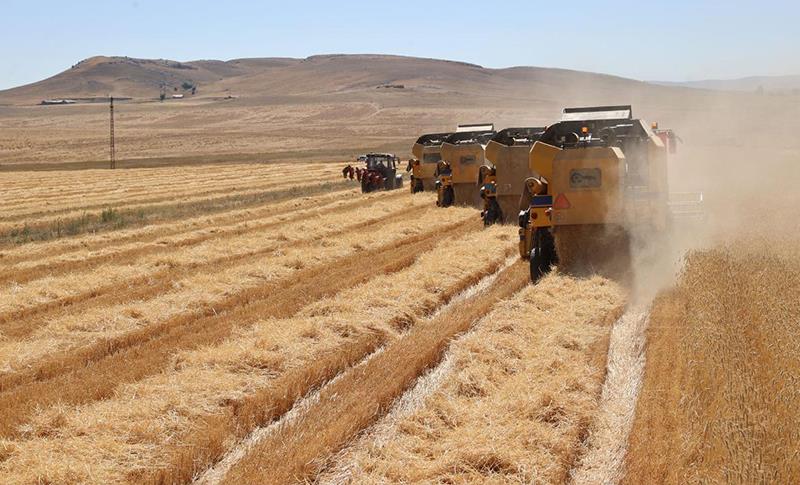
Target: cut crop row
(214, 395)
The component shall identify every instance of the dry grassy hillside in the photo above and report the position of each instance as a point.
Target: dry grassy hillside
(326, 107)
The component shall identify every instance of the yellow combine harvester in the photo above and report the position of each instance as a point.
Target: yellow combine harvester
(503, 176)
(427, 152)
(597, 175)
(463, 153)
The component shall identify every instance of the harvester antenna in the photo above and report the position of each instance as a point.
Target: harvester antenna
(112, 147)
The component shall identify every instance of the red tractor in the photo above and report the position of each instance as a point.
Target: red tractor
(380, 172)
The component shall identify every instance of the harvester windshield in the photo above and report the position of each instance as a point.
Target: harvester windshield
(378, 161)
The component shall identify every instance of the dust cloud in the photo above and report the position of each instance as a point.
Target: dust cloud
(742, 153)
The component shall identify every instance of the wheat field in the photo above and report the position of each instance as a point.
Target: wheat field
(720, 388)
(269, 323)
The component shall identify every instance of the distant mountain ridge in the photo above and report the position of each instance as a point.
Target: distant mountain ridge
(101, 76)
(348, 74)
(751, 83)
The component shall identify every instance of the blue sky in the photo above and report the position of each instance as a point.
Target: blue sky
(673, 41)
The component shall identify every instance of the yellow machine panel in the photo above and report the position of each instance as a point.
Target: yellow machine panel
(540, 159)
(428, 150)
(428, 156)
(465, 161)
(465, 152)
(512, 167)
(586, 186)
(509, 152)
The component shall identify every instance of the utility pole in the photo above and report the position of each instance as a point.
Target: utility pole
(112, 147)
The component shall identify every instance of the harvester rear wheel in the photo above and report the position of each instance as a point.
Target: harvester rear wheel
(492, 213)
(447, 197)
(543, 254)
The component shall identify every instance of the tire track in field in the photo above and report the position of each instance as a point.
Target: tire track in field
(20, 323)
(214, 474)
(206, 443)
(295, 451)
(93, 373)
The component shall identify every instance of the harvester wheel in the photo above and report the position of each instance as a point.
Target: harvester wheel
(543, 254)
(448, 197)
(492, 213)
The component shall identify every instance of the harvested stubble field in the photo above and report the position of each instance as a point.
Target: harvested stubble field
(268, 323)
(177, 348)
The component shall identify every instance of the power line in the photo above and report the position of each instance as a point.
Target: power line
(112, 147)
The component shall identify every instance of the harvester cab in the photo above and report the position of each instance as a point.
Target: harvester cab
(464, 152)
(595, 175)
(507, 153)
(427, 152)
(380, 172)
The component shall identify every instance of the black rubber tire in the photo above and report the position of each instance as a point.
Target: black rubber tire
(448, 197)
(492, 214)
(365, 187)
(543, 254)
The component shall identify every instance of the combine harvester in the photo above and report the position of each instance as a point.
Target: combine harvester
(379, 172)
(427, 152)
(463, 153)
(599, 176)
(503, 176)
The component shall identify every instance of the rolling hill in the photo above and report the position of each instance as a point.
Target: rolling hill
(316, 75)
(334, 106)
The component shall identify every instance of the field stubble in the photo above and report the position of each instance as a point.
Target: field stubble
(253, 359)
(527, 376)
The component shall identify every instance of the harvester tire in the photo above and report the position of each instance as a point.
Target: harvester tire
(448, 197)
(543, 254)
(492, 214)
